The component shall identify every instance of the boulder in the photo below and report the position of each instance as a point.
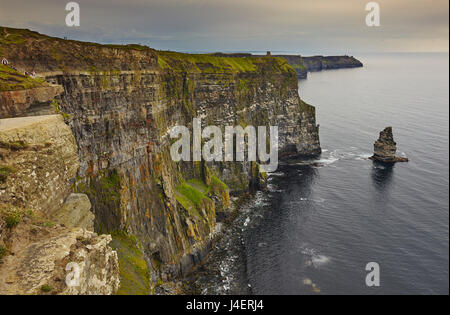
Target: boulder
(76, 212)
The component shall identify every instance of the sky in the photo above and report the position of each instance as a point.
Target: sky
(282, 26)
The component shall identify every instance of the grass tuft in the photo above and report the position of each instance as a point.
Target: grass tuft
(134, 273)
(13, 219)
(46, 288)
(5, 171)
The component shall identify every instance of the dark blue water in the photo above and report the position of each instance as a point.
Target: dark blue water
(322, 221)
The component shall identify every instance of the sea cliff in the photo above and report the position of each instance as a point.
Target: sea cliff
(303, 65)
(119, 103)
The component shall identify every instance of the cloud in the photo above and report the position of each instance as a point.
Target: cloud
(304, 26)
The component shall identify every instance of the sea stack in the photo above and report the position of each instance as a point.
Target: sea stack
(385, 148)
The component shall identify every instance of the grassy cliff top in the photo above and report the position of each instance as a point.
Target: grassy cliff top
(11, 80)
(296, 61)
(28, 50)
(349, 60)
(209, 63)
(17, 36)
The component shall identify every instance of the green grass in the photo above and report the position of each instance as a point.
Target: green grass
(5, 171)
(3, 252)
(15, 38)
(48, 224)
(58, 110)
(299, 66)
(307, 108)
(12, 80)
(13, 219)
(110, 185)
(14, 145)
(244, 85)
(215, 181)
(190, 193)
(128, 46)
(191, 198)
(205, 62)
(46, 288)
(199, 185)
(19, 36)
(134, 273)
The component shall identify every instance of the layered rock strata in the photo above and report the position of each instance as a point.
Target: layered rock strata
(385, 148)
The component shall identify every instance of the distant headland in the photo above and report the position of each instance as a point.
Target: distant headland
(303, 65)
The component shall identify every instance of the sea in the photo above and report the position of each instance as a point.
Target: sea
(323, 222)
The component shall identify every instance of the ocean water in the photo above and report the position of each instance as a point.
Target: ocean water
(322, 221)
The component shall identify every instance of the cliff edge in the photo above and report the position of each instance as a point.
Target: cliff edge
(120, 103)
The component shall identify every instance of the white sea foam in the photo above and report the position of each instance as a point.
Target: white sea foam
(363, 156)
(314, 259)
(319, 260)
(327, 161)
(275, 174)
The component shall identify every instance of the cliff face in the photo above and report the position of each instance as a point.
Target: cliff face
(318, 63)
(42, 225)
(303, 65)
(121, 101)
(297, 62)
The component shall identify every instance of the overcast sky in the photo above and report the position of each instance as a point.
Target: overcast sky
(295, 26)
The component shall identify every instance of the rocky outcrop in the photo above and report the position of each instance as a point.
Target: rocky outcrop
(121, 101)
(29, 102)
(385, 148)
(42, 225)
(41, 153)
(58, 261)
(75, 212)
